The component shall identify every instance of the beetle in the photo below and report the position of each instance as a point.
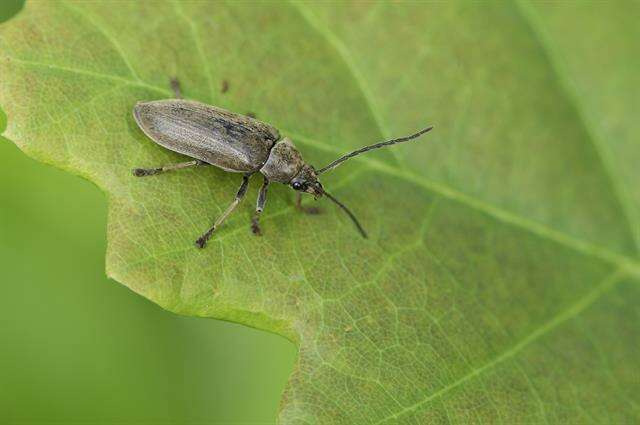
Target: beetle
(238, 144)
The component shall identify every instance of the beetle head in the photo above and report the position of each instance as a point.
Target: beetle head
(307, 178)
(307, 181)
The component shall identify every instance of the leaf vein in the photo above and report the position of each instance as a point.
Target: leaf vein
(570, 92)
(116, 46)
(541, 230)
(198, 43)
(347, 58)
(574, 310)
(87, 73)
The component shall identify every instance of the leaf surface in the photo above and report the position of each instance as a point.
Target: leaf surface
(500, 280)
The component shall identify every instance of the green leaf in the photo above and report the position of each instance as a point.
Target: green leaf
(500, 281)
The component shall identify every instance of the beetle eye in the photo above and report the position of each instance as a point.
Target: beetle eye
(296, 185)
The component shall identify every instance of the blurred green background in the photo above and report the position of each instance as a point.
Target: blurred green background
(77, 347)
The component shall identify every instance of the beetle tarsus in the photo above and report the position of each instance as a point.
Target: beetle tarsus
(202, 240)
(143, 172)
(224, 87)
(255, 226)
(175, 86)
(262, 199)
(311, 210)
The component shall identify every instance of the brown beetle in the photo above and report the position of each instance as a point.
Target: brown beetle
(238, 144)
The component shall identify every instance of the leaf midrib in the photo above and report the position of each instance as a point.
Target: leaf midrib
(612, 178)
(541, 230)
(347, 57)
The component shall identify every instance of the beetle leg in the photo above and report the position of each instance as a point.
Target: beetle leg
(202, 240)
(175, 86)
(306, 210)
(142, 172)
(262, 198)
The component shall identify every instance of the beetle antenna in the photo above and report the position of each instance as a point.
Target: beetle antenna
(343, 158)
(349, 213)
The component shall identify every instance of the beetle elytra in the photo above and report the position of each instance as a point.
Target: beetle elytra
(238, 144)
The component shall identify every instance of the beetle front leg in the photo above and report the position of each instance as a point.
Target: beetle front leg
(143, 172)
(202, 240)
(262, 199)
(306, 210)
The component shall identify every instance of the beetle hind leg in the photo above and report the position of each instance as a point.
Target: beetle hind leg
(143, 172)
(202, 240)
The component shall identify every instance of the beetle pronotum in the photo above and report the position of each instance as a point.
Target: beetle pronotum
(238, 144)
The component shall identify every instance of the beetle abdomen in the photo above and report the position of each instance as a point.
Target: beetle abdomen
(227, 140)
